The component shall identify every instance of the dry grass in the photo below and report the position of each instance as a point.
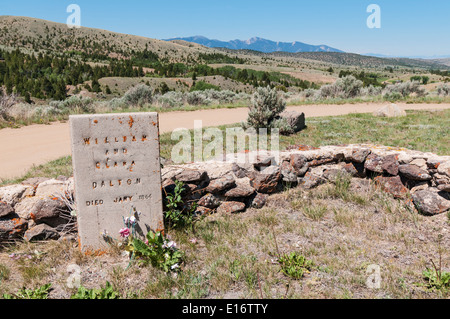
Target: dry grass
(235, 256)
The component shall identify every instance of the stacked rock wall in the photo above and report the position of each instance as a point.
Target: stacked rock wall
(232, 187)
(40, 208)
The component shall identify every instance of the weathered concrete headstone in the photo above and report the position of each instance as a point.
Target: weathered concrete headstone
(117, 174)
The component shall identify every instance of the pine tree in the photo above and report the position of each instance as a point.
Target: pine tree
(60, 91)
(96, 86)
(27, 97)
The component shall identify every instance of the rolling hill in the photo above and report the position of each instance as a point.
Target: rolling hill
(42, 35)
(36, 35)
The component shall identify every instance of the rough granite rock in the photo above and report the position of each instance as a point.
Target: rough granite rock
(444, 188)
(311, 181)
(430, 202)
(49, 211)
(350, 169)
(209, 201)
(295, 119)
(26, 207)
(391, 110)
(202, 211)
(5, 209)
(420, 163)
(11, 195)
(321, 161)
(191, 176)
(444, 168)
(241, 190)
(392, 185)
(193, 191)
(333, 174)
(433, 163)
(221, 184)
(413, 172)
(12, 227)
(267, 180)
(263, 161)
(41, 232)
(390, 164)
(239, 171)
(288, 173)
(259, 201)
(231, 207)
(358, 155)
(51, 188)
(374, 163)
(300, 164)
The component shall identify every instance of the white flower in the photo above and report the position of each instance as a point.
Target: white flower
(171, 244)
(133, 220)
(175, 267)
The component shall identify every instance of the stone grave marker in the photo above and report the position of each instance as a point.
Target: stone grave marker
(117, 174)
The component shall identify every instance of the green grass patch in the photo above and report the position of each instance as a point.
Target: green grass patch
(294, 265)
(53, 169)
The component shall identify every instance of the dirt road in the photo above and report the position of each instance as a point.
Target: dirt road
(38, 144)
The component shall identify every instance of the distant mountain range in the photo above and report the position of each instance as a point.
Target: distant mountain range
(258, 44)
(425, 57)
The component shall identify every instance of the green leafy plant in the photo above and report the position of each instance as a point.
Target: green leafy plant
(156, 251)
(294, 265)
(106, 292)
(24, 293)
(178, 213)
(437, 279)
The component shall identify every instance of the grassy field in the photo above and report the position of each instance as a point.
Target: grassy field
(340, 229)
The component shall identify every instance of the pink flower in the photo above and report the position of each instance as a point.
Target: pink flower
(124, 232)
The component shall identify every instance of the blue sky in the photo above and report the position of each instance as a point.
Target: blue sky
(408, 27)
